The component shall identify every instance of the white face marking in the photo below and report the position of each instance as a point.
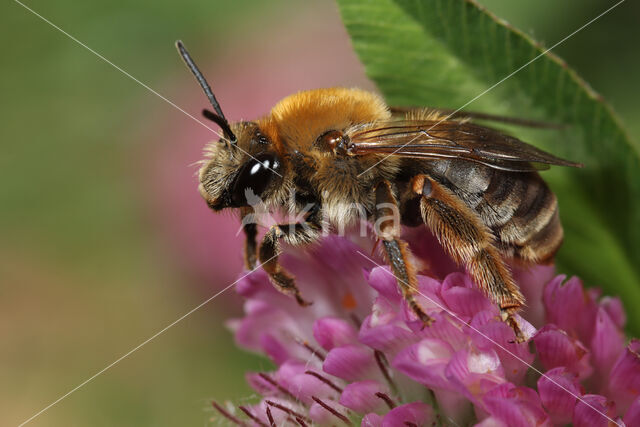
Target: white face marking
(255, 168)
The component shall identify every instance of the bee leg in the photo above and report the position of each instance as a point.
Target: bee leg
(387, 227)
(294, 234)
(470, 243)
(250, 229)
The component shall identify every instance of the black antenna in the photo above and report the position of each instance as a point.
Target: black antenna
(222, 122)
(217, 117)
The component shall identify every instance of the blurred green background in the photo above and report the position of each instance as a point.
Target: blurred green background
(103, 238)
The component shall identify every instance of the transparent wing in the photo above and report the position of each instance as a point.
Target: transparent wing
(431, 139)
(474, 115)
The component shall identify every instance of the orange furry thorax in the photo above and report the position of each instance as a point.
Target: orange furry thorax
(296, 121)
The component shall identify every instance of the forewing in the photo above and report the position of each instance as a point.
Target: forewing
(432, 139)
(413, 112)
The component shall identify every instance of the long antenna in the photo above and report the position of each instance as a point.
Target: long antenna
(217, 117)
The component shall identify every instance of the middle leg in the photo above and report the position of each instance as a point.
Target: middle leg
(387, 227)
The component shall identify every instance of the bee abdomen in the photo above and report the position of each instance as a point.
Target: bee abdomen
(532, 232)
(519, 208)
(543, 245)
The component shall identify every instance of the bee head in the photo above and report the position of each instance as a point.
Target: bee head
(241, 167)
(241, 173)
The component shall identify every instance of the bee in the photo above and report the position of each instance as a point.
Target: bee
(478, 190)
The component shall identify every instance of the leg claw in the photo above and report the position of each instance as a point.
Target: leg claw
(512, 322)
(302, 302)
(424, 317)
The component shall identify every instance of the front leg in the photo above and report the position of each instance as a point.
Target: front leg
(250, 228)
(294, 234)
(387, 227)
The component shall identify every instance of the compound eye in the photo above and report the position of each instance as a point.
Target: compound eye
(254, 177)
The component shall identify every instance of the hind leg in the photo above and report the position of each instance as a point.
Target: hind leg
(470, 243)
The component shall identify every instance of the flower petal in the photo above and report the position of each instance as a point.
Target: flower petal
(454, 406)
(382, 280)
(389, 339)
(555, 348)
(361, 396)
(351, 363)
(624, 381)
(319, 415)
(632, 416)
(558, 388)
(428, 295)
(332, 332)
(491, 422)
(426, 362)
(474, 372)
(462, 297)
(446, 328)
(497, 335)
(615, 310)
(532, 281)
(417, 413)
(607, 345)
(383, 312)
(268, 328)
(275, 349)
(261, 386)
(569, 307)
(371, 420)
(516, 406)
(292, 377)
(592, 411)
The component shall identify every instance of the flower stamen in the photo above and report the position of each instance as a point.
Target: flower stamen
(277, 385)
(314, 351)
(226, 414)
(270, 417)
(325, 380)
(386, 399)
(382, 363)
(288, 411)
(332, 410)
(250, 415)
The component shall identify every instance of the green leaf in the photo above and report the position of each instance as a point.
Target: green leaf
(446, 53)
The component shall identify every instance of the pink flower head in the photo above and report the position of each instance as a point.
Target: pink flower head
(358, 355)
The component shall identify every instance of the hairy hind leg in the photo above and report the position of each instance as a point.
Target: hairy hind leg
(470, 243)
